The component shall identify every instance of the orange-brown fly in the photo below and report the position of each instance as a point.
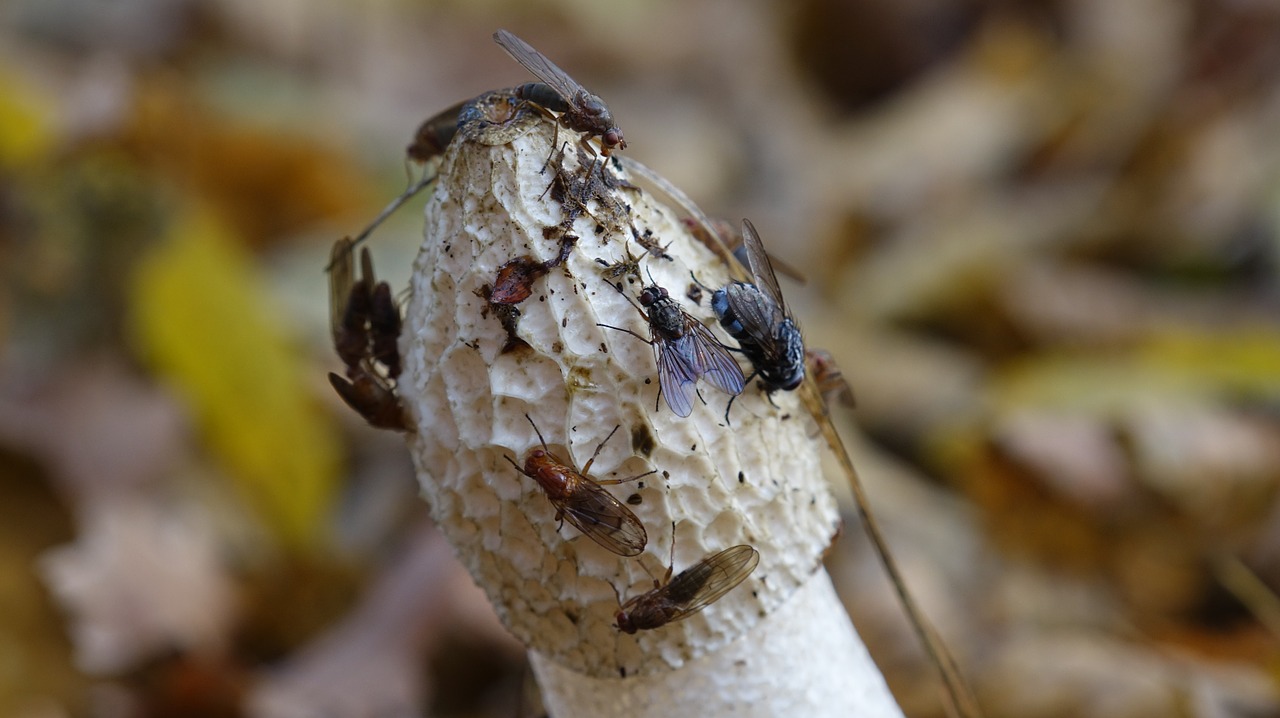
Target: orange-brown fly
(582, 501)
(515, 279)
(692, 590)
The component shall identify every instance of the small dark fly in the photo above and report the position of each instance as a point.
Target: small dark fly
(627, 268)
(650, 244)
(575, 189)
(579, 110)
(756, 315)
(685, 351)
(582, 500)
(508, 315)
(365, 324)
(692, 590)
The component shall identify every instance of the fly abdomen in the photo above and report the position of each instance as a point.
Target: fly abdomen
(787, 371)
(540, 93)
(728, 318)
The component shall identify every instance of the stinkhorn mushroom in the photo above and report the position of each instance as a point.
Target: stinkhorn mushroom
(480, 375)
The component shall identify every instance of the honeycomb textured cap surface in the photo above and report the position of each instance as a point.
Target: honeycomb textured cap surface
(756, 482)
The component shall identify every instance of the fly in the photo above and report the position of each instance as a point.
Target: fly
(435, 134)
(692, 590)
(429, 143)
(579, 110)
(685, 351)
(628, 268)
(514, 283)
(582, 500)
(365, 324)
(757, 317)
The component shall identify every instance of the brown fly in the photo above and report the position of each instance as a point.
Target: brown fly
(365, 324)
(514, 283)
(582, 501)
(435, 134)
(579, 110)
(692, 590)
(685, 350)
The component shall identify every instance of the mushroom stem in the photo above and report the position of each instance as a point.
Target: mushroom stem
(804, 659)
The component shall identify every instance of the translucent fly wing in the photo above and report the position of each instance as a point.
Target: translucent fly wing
(604, 519)
(350, 303)
(341, 281)
(761, 268)
(677, 376)
(538, 64)
(716, 363)
(707, 581)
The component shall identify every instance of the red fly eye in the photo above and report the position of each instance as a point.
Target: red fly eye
(612, 138)
(623, 622)
(537, 453)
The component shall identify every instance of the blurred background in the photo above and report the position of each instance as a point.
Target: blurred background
(1039, 237)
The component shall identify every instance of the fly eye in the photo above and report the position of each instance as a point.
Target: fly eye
(537, 453)
(612, 138)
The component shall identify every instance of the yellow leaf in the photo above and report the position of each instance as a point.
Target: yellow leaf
(1244, 361)
(25, 119)
(202, 318)
(1187, 366)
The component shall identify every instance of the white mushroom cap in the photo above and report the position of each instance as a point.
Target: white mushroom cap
(757, 482)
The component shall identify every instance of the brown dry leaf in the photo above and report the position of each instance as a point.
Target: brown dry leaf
(99, 429)
(265, 183)
(1076, 458)
(371, 662)
(141, 580)
(37, 676)
(1066, 674)
(1219, 467)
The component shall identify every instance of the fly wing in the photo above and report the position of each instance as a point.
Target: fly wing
(678, 375)
(341, 281)
(717, 364)
(604, 519)
(758, 315)
(705, 582)
(537, 63)
(761, 268)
